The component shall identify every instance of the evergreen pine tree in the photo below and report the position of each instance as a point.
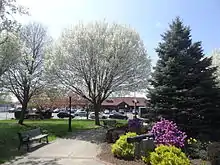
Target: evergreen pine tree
(183, 84)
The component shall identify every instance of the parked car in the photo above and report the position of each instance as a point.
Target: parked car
(56, 110)
(113, 111)
(92, 116)
(117, 115)
(81, 113)
(11, 110)
(121, 111)
(17, 113)
(64, 115)
(106, 111)
(134, 112)
(73, 110)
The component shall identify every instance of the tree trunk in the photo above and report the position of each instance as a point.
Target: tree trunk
(97, 107)
(24, 108)
(87, 113)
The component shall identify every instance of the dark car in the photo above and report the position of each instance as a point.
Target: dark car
(117, 115)
(64, 115)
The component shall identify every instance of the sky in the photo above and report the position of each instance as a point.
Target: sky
(150, 18)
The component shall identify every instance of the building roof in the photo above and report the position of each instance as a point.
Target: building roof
(115, 101)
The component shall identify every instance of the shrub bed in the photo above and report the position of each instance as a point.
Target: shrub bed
(167, 155)
(122, 149)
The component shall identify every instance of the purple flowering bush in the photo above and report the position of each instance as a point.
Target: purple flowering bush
(167, 133)
(134, 125)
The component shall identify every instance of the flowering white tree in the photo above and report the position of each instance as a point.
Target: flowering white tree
(9, 53)
(96, 59)
(24, 79)
(216, 63)
(8, 24)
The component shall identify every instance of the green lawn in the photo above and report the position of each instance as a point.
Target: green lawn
(56, 128)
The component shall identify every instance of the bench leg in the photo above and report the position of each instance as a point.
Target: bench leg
(19, 146)
(28, 147)
(47, 139)
(39, 140)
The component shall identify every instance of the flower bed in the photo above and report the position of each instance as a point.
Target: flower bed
(172, 145)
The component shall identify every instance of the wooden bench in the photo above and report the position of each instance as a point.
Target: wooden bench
(109, 124)
(27, 137)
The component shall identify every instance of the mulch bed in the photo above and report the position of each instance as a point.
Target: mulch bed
(107, 156)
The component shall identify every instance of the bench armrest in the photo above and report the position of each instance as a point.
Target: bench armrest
(44, 131)
(23, 137)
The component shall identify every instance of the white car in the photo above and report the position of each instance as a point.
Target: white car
(81, 113)
(121, 111)
(114, 111)
(92, 115)
(56, 110)
(106, 111)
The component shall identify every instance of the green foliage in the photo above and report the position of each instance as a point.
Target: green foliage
(184, 87)
(197, 149)
(167, 155)
(122, 148)
(146, 159)
(214, 153)
(119, 125)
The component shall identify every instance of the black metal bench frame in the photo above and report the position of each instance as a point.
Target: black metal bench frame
(137, 141)
(27, 137)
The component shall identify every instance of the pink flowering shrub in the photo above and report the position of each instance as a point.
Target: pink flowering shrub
(167, 133)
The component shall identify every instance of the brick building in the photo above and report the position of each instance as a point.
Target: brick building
(126, 103)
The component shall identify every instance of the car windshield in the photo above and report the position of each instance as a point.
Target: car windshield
(116, 113)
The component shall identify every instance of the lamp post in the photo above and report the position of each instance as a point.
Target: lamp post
(135, 105)
(70, 94)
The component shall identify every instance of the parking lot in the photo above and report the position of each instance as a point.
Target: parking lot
(7, 115)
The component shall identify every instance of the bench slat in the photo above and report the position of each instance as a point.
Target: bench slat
(38, 137)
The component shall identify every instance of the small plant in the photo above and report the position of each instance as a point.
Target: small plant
(146, 159)
(122, 148)
(167, 155)
(166, 132)
(191, 141)
(196, 149)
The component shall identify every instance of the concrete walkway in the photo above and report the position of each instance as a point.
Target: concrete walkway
(72, 151)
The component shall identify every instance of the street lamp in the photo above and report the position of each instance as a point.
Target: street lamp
(70, 94)
(135, 105)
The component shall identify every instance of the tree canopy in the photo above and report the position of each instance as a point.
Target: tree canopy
(183, 83)
(25, 78)
(96, 59)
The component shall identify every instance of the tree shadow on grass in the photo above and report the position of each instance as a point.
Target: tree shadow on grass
(93, 135)
(33, 161)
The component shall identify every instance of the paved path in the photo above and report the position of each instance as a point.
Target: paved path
(72, 151)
